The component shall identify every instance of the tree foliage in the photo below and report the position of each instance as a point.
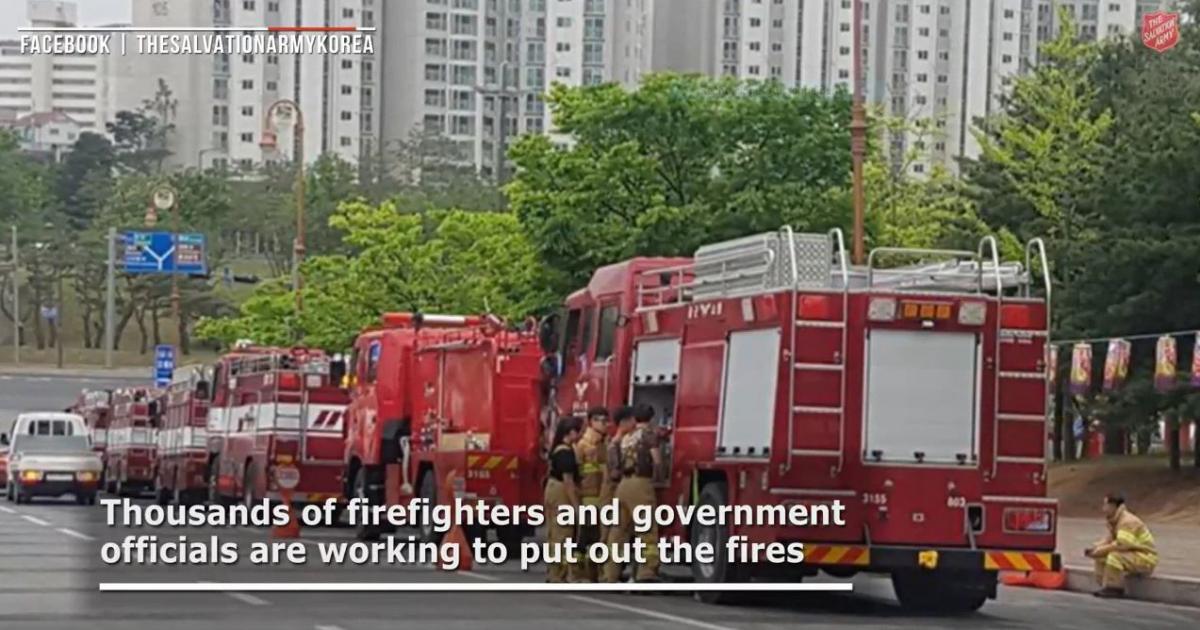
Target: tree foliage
(679, 162)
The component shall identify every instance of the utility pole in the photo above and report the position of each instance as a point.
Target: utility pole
(16, 299)
(858, 137)
(58, 315)
(110, 298)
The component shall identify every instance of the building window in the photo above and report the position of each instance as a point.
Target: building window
(563, 72)
(435, 21)
(843, 74)
(348, 13)
(922, 78)
(273, 7)
(345, 141)
(563, 47)
(923, 32)
(347, 116)
(844, 50)
(248, 58)
(755, 46)
(248, 138)
(247, 111)
(925, 9)
(776, 23)
(1006, 58)
(922, 54)
(753, 70)
(435, 98)
(272, 86)
(273, 59)
(248, 5)
(347, 64)
(845, 27)
(563, 22)
(247, 84)
(755, 22)
(776, 47)
(942, 78)
(1008, 14)
(1008, 37)
(347, 90)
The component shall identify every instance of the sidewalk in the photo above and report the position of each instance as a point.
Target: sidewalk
(1176, 580)
(1178, 545)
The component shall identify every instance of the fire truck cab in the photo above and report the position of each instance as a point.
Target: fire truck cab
(274, 407)
(440, 396)
(183, 444)
(915, 395)
(129, 458)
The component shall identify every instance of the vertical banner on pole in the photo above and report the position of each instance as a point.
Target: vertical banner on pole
(1116, 364)
(1165, 364)
(1196, 361)
(1081, 369)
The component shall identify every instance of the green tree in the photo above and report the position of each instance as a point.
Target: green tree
(681, 161)
(1047, 153)
(445, 261)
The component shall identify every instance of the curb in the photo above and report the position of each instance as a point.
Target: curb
(1167, 589)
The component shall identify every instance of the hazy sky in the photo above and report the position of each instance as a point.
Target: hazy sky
(90, 12)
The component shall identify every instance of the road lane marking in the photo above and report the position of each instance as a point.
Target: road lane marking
(75, 534)
(7, 510)
(477, 576)
(645, 612)
(324, 627)
(249, 599)
(35, 520)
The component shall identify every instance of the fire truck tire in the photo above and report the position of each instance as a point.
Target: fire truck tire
(429, 493)
(719, 571)
(86, 499)
(162, 496)
(511, 538)
(940, 592)
(249, 490)
(362, 531)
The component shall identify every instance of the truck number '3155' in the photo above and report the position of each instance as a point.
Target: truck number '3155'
(874, 498)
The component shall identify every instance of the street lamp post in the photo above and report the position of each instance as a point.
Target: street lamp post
(858, 137)
(269, 143)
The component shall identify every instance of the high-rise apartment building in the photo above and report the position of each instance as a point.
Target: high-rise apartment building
(75, 85)
(477, 70)
(945, 61)
(222, 100)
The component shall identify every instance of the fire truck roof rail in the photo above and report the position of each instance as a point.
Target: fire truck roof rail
(972, 272)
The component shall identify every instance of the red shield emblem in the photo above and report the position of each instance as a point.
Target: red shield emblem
(1160, 30)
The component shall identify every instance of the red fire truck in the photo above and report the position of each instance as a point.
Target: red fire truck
(439, 394)
(129, 458)
(915, 395)
(95, 407)
(180, 476)
(274, 407)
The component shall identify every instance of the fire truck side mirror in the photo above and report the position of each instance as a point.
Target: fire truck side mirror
(548, 333)
(3, 439)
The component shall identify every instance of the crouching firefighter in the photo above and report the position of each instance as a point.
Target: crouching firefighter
(1127, 550)
(639, 459)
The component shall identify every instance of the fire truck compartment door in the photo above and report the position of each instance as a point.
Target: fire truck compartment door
(657, 362)
(748, 397)
(922, 396)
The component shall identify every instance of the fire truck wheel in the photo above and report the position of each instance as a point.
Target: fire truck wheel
(511, 538)
(86, 499)
(161, 496)
(214, 494)
(940, 592)
(363, 531)
(429, 493)
(720, 571)
(249, 490)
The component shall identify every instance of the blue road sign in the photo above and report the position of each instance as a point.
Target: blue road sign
(164, 365)
(160, 252)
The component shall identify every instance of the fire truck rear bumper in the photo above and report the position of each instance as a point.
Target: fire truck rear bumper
(882, 558)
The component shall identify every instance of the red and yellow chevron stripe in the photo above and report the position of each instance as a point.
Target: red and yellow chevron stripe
(1017, 561)
(837, 554)
(492, 462)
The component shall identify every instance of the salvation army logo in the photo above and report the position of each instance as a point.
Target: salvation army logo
(1160, 30)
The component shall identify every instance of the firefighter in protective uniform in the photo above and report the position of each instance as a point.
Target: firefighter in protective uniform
(639, 458)
(1128, 549)
(561, 490)
(611, 570)
(591, 451)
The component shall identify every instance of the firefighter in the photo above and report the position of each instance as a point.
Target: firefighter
(1128, 549)
(561, 490)
(591, 453)
(611, 571)
(640, 458)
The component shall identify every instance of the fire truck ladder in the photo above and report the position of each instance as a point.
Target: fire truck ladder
(826, 253)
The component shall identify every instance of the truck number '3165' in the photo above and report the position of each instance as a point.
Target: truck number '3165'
(874, 498)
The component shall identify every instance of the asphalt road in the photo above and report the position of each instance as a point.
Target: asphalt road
(50, 569)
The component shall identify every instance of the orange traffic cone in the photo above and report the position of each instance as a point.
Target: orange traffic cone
(292, 528)
(456, 537)
(1050, 580)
